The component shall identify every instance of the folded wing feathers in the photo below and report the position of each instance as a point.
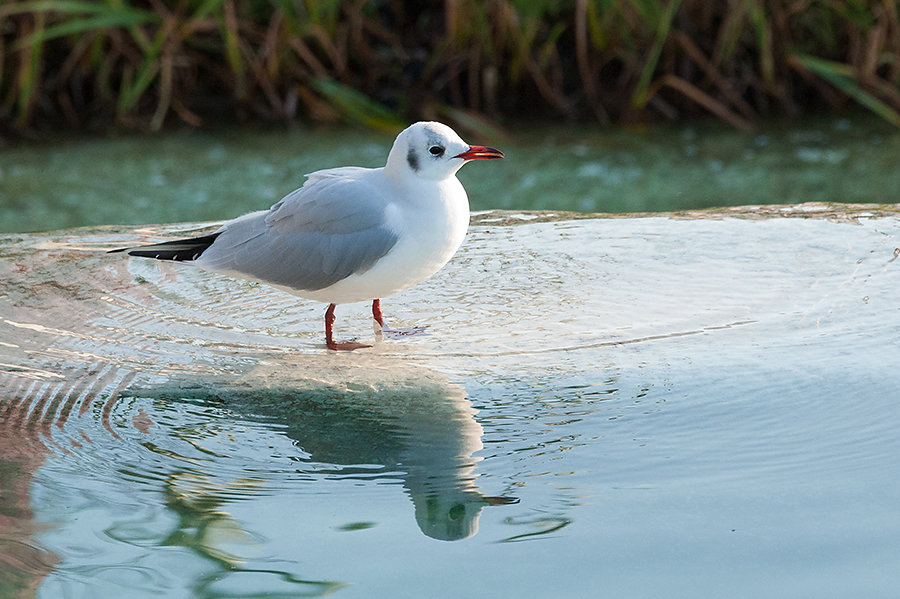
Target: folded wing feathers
(312, 238)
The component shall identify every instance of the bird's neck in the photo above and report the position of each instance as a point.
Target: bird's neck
(412, 187)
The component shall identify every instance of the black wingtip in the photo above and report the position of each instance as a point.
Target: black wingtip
(178, 250)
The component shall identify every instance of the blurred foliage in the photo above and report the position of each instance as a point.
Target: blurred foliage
(144, 63)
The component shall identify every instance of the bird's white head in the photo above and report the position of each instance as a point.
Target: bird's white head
(433, 151)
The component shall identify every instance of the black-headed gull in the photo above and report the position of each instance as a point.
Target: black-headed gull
(349, 234)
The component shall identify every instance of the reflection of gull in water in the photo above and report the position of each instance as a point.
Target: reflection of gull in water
(367, 417)
(353, 415)
(23, 562)
(76, 362)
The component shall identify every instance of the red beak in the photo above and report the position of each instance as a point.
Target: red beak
(480, 153)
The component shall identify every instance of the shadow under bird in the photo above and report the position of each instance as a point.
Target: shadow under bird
(350, 234)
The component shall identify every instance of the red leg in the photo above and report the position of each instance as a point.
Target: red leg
(376, 312)
(329, 333)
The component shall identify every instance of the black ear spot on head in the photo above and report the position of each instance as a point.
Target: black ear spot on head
(412, 159)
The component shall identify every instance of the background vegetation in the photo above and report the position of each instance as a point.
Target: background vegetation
(147, 63)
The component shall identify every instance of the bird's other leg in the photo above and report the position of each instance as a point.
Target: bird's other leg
(376, 313)
(392, 333)
(329, 333)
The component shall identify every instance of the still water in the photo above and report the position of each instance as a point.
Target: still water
(678, 406)
(198, 176)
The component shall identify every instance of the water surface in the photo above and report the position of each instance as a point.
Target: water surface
(198, 176)
(680, 405)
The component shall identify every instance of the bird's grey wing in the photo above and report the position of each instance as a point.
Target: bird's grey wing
(329, 229)
(337, 200)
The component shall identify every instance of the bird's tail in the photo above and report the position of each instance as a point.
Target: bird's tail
(178, 250)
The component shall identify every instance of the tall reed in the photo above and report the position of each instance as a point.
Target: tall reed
(144, 63)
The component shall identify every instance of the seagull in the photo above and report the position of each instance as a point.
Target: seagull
(349, 234)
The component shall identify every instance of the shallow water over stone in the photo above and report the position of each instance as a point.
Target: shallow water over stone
(698, 404)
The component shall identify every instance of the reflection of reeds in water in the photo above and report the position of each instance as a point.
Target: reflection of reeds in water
(32, 406)
(145, 62)
(35, 405)
(23, 562)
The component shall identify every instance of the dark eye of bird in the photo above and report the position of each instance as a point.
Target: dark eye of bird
(436, 150)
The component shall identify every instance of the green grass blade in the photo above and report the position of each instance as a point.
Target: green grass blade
(358, 107)
(206, 8)
(823, 67)
(124, 85)
(650, 11)
(731, 30)
(843, 77)
(640, 97)
(28, 81)
(104, 21)
(228, 25)
(60, 6)
(763, 41)
(132, 91)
